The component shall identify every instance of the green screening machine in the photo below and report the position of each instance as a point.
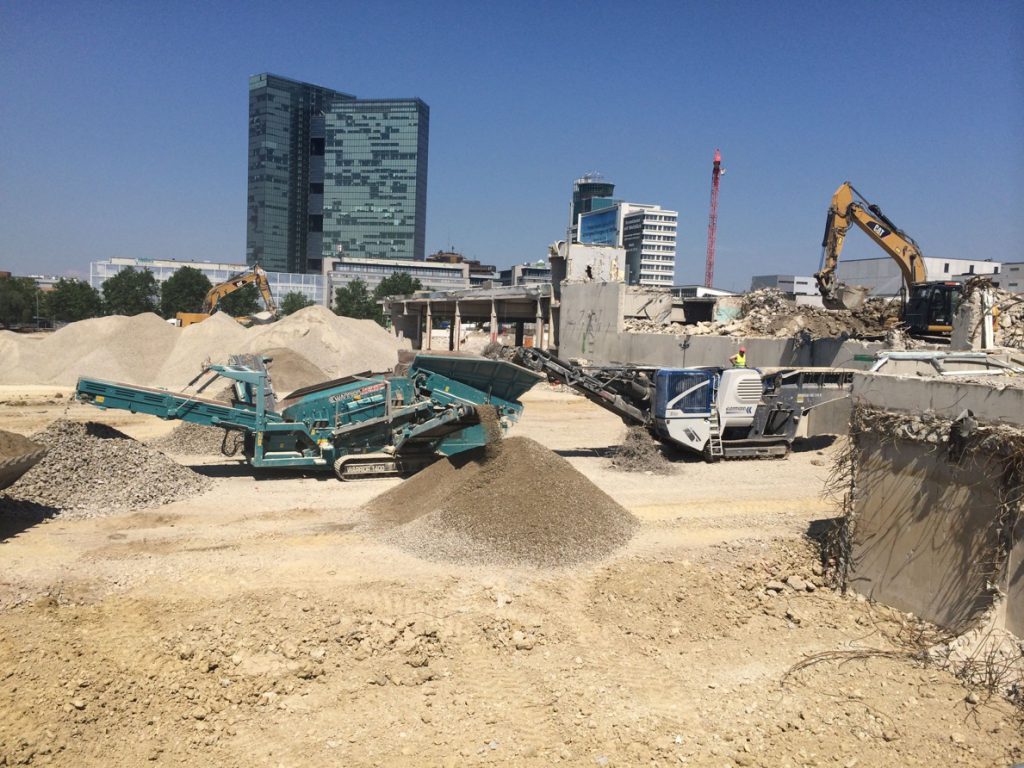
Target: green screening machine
(368, 425)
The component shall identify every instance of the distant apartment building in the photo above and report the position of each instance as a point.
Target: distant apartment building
(1011, 276)
(331, 174)
(479, 274)
(882, 275)
(530, 273)
(798, 285)
(647, 232)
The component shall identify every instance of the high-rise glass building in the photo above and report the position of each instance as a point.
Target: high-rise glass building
(330, 173)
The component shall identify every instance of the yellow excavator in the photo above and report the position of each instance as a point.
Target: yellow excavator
(258, 276)
(928, 306)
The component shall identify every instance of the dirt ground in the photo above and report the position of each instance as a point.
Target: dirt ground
(261, 624)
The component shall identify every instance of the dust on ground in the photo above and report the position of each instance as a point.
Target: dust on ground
(266, 624)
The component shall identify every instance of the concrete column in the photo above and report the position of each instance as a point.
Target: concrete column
(494, 322)
(520, 332)
(457, 327)
(538, 328)
(430, 328)
(552, 338)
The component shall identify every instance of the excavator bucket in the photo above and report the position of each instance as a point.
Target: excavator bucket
(17, 456)
(846, 297)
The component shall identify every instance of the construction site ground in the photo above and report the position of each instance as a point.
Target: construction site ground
(263, 623)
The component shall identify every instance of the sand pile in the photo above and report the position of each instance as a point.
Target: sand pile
(96, 469)
(514, 503)
(313, 343)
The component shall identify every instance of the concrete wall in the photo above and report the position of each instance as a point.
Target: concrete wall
(946, 397)
(926, 528)
(591, 327)
(923, 533)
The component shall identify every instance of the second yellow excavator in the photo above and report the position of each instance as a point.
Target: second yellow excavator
(255, 275)
(928, 307)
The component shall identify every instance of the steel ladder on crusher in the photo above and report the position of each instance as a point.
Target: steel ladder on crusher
(715, 449)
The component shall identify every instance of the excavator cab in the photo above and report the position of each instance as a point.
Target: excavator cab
(931, 307)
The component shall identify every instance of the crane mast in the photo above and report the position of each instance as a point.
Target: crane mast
(709, 267)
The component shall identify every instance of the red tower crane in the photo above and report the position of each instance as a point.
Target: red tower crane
(709, 267)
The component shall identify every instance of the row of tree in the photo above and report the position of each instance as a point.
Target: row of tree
(132, 292)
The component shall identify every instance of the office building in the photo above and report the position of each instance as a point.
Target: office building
(647, 232)
(538, 272)
(331, 174)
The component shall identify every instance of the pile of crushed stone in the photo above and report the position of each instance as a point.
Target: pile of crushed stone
(95, 470)
(1009, 322)
(639, 452)
(512, 503)
(768, 313)
(195, 440)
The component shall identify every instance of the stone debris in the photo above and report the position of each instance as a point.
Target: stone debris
(94, 469)
(768, 313)
(512, 504)
(1008, 320)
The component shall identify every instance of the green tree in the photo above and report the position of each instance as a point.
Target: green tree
(184, 291)
(130, 292)
(72, 300)
(355, 300)
(397, 284)
(243, 302)
(18, 300)
(293, 301)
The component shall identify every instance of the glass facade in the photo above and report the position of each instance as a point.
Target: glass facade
(375, 179)
(329, 173)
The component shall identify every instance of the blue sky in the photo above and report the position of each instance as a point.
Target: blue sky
(124, 124)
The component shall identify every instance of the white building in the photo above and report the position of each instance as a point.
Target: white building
(647, 232)
(1011, 276)
(882, 275)
(798, 285)
(433, 275)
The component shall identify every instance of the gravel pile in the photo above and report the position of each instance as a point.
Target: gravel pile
(513, 503)
(96, 470)
(639, 452)
(194, 440)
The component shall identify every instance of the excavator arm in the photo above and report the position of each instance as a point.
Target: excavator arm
(848, 205)
(213, 298)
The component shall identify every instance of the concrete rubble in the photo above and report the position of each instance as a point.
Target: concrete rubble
(768, 313)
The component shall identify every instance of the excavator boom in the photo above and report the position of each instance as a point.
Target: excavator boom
(255, 275)
(848, 205)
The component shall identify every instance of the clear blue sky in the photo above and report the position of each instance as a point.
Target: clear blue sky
(124, 125)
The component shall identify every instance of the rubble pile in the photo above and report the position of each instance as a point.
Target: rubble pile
(768, 313)
(95, 469)
(1008, 316)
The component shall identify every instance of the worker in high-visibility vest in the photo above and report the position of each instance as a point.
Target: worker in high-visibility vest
(739, 360)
